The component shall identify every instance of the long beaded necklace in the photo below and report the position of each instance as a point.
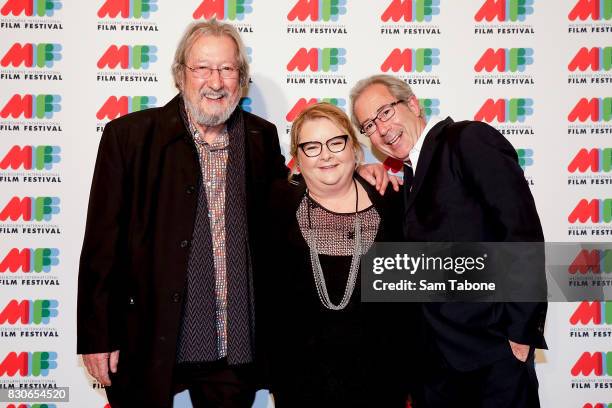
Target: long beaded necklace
(316, 263)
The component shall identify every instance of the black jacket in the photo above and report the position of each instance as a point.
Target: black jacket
(468, 187)
(140, 220)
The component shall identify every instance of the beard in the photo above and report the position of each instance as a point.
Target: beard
(204, 118)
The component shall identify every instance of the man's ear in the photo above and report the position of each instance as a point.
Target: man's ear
(413, 105)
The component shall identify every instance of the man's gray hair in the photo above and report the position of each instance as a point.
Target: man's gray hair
(211, 27)
(398, 88)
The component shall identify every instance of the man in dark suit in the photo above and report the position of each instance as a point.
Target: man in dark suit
(168, 271)
(462, 183)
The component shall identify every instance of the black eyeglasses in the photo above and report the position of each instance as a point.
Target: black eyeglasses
(204, 72)
(385, 113)
(335, 145)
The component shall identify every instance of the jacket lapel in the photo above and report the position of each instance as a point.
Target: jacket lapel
(254, 156)
(432, 140)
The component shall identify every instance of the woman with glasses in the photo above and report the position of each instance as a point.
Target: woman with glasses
(327, 348)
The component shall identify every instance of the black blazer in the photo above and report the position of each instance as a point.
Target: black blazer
(140, 220)
(468, 187)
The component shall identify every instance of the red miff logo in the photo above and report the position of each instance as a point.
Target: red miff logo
(592, 313)
(223, 9)
(596, 405)
(119, 106)
(504, 10)
(209, 9)
(32, 55)
(595, 109)
(30, 260)
(127, 8)
(410, 10)
(596, 261)
(411, 60)
(317, 59)
(40, 8)
(113, 108)
(593, 59)
(586, 261)
(25, 364)
(595, 160)
(594, 9)
(303, 59)
(299, 106)
(114, 56)
(28, 311)
(598, 363)
(505, 110)
(19, 54)
(505, 59)
(30, 209)
(128, 56)
(32, 106)
(303, 103)
(595, 210)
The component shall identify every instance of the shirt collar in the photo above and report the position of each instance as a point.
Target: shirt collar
(416, 149)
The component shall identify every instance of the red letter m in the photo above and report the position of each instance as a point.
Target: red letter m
(398, 9)
(398, 59)
(492, 59)
(113, 7)
(299, 107)
(15, 311)
(17, 157)
(16, 259)
(14, 363)
(584, 59)
(209, 9)
(17, 7)
(586, 313)
(16, 208)
(491, 9)
(585, 159)
(17, 106)
(492, 110)
(113, 108)
(585, 9)
(304, 9)
(588, 363)
(585, 109)
(303, 59)
(585, 210)
(586, 261)
(115, 55)
(17, 55)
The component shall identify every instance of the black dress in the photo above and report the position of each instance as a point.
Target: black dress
(354, 357)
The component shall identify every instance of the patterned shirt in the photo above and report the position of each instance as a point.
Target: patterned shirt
(213, 164)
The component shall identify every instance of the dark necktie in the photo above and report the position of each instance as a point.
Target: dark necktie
(408, 174)
(408, 180)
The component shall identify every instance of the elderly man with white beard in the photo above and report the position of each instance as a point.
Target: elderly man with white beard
(167, 279)
(168, 276)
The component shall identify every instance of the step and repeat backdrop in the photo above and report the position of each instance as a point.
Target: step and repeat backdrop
(537, 70)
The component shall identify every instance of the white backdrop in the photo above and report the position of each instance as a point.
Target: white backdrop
(538, 71)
